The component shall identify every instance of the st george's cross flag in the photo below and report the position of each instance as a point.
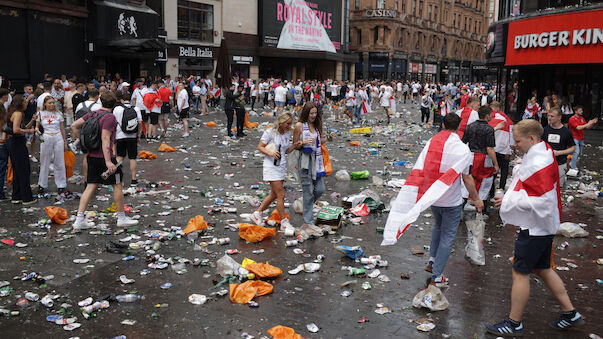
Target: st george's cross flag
(533, 201)
(366, 107)
(504, 136)
(439, 165)
(467, 116)
(482, 171)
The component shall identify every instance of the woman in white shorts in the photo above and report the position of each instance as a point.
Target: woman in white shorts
(274, 144)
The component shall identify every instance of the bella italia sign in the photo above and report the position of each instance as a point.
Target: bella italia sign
(197, 52)
(389, 13)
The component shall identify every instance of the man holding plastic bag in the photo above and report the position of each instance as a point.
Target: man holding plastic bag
(435, 181)
(533, 202)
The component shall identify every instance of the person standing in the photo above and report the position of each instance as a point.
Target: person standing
(17, 151)
(468, 114)
(308, 131)
(68, 103)
(560, 139)
(28, 115)
(280, 97)
(58, 93)
(239, 100)
(165, 95)
(384, 100)
(102, 160)
(533, 203)
(577, 124)
(275, 167)
(426, 106)
(504, 139)
(203, 98)
(53, 143)
(229, 107)
(405, 89)
(254, 94)
(137, 100)
(153, 105)
(183, 107)
(350, 103)
(127, 132)
(3, 140)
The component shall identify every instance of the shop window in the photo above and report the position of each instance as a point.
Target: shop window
(195, 21)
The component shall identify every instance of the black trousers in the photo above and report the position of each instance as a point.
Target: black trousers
(240, 120)
(252, 101)
(504, 170)
(229, 118)
(265, 99)
(19, 158)
(424, 114)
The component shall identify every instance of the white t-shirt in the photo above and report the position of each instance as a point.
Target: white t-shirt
(40, 100)
(118, 112)
(384, 99)
(95, 106)
(271, 172)
(334, 90)
(399, 87)
(65, 84)
(415, 88)
(196, 90)
(254, 90)
(351, 102)
(51, 121)
(138, 94)
(280, 94)
(182, 99)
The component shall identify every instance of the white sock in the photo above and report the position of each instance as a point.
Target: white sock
(121, 215)
(80, 217)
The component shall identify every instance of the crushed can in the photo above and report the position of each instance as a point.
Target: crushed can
(223, 241)
(290, 243)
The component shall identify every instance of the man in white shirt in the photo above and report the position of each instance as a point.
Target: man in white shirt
(138, 101)
(47, 89)
(415, 91)
(126, 142)
(196, 97)
(399, 91)
(280, 97)
(183, 107)
(384, 101)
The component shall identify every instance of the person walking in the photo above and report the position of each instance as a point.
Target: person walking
(17, 151)
(165, 95)
(203, 98)
(183, 108)
(254, 94)
(426, 106)
(275, 145)
(504, 139)
(127, 133)
(561, 140)
(308, 131)
(100, 161)
(53, 143)
(577, 124)
(533, 203)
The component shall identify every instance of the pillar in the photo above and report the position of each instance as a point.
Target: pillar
(338, 70)
(294, 76)
(302, 73)
(352, 72)
(365, 65)
(254, 72)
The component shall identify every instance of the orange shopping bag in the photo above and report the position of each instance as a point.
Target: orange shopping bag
(57, 214)
(255, 233)
(326, 160)
(245, 292)
(69, 162)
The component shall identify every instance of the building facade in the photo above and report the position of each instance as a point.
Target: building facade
(425, 40)
(548, 49)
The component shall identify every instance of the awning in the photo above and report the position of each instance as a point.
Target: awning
(139, 44)
(298, 54)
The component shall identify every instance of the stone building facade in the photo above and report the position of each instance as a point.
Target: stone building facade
(426, 40)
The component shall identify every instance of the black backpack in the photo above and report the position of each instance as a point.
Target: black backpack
(90, 138)
(129, 120)
(84, 110)
(289, 95)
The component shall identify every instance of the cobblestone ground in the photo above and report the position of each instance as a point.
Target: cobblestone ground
(477, 294)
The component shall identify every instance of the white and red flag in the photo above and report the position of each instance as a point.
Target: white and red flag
(503, 137)
(366, 107)
(533, 201)
(482, 172)
(467, 116)
(439, 165)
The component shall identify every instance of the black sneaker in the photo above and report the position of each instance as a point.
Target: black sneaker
(40, 190)
(565, 322)
(505, 329)
(134, 183)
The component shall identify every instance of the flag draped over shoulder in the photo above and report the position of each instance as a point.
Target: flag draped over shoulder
(467, 116)
(440, 163)
(533, 200)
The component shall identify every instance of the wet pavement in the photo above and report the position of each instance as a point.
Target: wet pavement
(190, 184)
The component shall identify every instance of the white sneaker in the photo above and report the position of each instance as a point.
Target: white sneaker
(130, 190)
(256, 217)
(82, 225)
(34, 159)
(286, 225)
(573, 172)
(126, 222)
(185, 135)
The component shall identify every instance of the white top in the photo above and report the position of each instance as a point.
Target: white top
(334, 90)
(399, 87)
(254, 90)
(95, 106)
(40, 100)
(182, 99)
(65, 84)
(351, 102)
(271, 172)
(361, 96)
(384, 99)
(118, 112)
(51, 121)
(196, 90)
(137, 96)
(415, 88)
(280, 94)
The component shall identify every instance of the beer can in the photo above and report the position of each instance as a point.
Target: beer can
(368, 261)
(290, 243)
(223, 241)
(499, 192)
(232, 251)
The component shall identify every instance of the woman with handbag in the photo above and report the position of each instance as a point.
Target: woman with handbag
(17, 151)
(308, 137)
(52, 142)
(275, 144)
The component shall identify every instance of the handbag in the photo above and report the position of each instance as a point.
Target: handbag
(326, 160)
(7, 129)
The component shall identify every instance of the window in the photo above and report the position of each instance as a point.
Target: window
(421, 8)
(414, 7)
(195, 21)
(454, 20)
(376, 34)
(357, 4)
(404, 6)
(435, 13)
(396, 5)
(429, 12)
(359, 36)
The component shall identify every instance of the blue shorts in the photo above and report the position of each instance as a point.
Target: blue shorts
(279, 103)
(533, 252)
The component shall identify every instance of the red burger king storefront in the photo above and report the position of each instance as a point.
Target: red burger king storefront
(556, 54)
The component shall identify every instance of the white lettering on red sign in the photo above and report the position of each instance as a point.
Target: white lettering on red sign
(586, 36)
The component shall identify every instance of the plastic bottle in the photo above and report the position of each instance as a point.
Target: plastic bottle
(127, 298)
(277, 162)
(360, 175)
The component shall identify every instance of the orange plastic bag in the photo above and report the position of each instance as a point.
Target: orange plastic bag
(166, 148)
(326, 160)
(264, 270)
(147, 155)
(9, 174)
(245, 292)
(69, 162)
(57, 214)
(276, 217)
(354, 143)
(283, 332)
(255, 233)
(249, 125)
(211, 124)
(195, 224)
